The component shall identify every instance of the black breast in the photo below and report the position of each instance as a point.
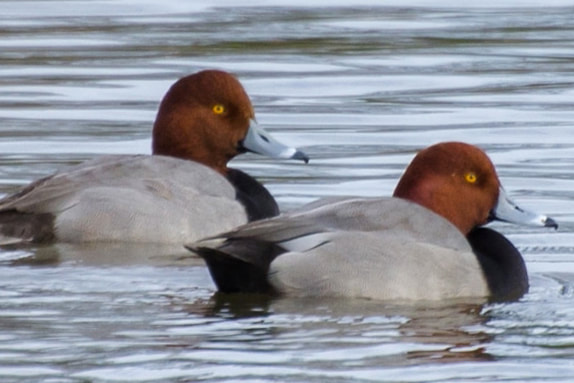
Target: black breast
(502, 264)
(257, 200)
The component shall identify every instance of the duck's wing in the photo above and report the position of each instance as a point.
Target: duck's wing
(120, 198)
(138, 172)
(240, 260)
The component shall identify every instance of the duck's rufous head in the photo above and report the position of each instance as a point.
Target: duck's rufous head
(459, 182)
(207, 117)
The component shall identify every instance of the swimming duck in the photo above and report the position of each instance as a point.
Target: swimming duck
(424, 243)
(183, 190)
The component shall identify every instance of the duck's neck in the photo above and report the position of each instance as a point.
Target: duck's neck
(213, 162)
(427, 192)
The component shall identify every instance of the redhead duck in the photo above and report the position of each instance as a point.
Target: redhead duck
(424, 243)
(184, 190)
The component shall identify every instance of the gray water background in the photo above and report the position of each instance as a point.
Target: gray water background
(360, 88)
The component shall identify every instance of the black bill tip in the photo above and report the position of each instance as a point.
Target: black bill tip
(299, 155)
(549, 222)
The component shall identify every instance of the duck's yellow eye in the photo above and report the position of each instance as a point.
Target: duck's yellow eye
(470, 178)
(218, 109)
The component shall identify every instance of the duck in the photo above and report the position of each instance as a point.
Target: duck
(183, 190)
(425, 243)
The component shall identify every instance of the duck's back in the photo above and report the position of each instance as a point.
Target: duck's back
(125, 198)
(384, 214)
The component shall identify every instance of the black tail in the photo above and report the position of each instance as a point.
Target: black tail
(234, 275)
(28, 227)
(240, 264)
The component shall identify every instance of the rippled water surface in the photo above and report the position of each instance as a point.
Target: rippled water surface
(360, 89)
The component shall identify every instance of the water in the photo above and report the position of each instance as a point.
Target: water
(360, 89)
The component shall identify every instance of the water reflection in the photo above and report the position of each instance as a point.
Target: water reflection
(359, 331)
(99, 254)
